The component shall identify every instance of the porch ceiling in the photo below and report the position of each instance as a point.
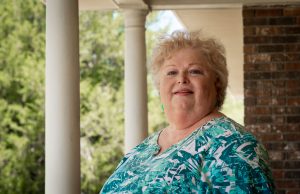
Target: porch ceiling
(172, 4)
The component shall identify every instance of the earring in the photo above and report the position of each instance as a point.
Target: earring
(162, 107)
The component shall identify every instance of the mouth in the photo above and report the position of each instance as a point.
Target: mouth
(183, 92)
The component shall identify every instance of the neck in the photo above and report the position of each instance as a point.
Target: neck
(184, 120)
(175, 131)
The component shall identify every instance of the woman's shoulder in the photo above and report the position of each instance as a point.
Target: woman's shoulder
(227, 136)
(225, 129)
(229, 140)
(237, 155)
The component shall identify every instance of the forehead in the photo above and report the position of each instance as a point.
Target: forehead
(185, 55)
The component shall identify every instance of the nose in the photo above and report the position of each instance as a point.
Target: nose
(182, 78)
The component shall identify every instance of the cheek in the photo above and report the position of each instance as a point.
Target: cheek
(165, 90)
(207, 90)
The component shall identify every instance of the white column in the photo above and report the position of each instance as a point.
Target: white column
(62, 98)
(136, 117)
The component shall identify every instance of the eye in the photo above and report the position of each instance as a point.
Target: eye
(172, 72)
(195, 72)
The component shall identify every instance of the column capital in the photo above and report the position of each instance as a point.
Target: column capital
(135, 17)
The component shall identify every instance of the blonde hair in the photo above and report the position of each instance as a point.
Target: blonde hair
(210, 49)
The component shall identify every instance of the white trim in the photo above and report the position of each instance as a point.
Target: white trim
(174, 4)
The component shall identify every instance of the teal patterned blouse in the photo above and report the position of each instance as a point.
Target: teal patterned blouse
(219, 157)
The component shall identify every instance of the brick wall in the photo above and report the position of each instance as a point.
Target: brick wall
(272, 87)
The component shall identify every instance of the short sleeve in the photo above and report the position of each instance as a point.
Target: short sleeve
(237, 164)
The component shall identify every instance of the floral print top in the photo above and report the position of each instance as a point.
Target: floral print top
(218, 157)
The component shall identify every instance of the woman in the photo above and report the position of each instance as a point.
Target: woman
(201, 151)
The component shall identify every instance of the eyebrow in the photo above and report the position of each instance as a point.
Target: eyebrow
(190, 64)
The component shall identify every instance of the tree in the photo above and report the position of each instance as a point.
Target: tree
(22, 96)
(102, 104)
(101, 67)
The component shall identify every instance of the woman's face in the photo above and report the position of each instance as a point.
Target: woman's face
(186, 84)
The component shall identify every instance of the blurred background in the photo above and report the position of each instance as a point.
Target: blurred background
(22, 93)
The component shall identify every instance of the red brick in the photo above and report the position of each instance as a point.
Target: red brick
(279, 92)
(292, 30)
(278, 174)
(292, 146)
(287, 184)
(257, 75)
(259, 110)
(291, 127)
(295, 155)
(270, 48)
(264, 101)
(279, 110)
(278, 57)
(276, 164)
(263, 119)
(249, 31)
(259, 128)
(284, 39)
(294, 101)
(267, 31)
(248, 13)
(291, 11)
(292, 174)
(278, 119)
(257, 58)
(293, 57)
(283, 21)
(296, 191)
(271, 63)
(250, 84)
(278, 83)
(258, 92)
(250, 101)
(292, 48)
(292, 136)
(257, 39)
(262, 84)
(291, 164)
(250, 120)
(249, 49)
(293, 119)
(272, 137)
(268, 12)
(278, 101)
(293, 83)
(293, 74)
(275, 155)
(292, 66)
(277, 66)
(293, 110)
(284, 75)
(293, 92)
(274, 146)
(255, 21)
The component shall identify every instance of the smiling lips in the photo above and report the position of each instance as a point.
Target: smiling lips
(183, 92)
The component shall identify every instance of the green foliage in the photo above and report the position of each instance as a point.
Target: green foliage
(101, 134)
(102, 104)
(101, 48)
(22, 96)
(101, 68)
